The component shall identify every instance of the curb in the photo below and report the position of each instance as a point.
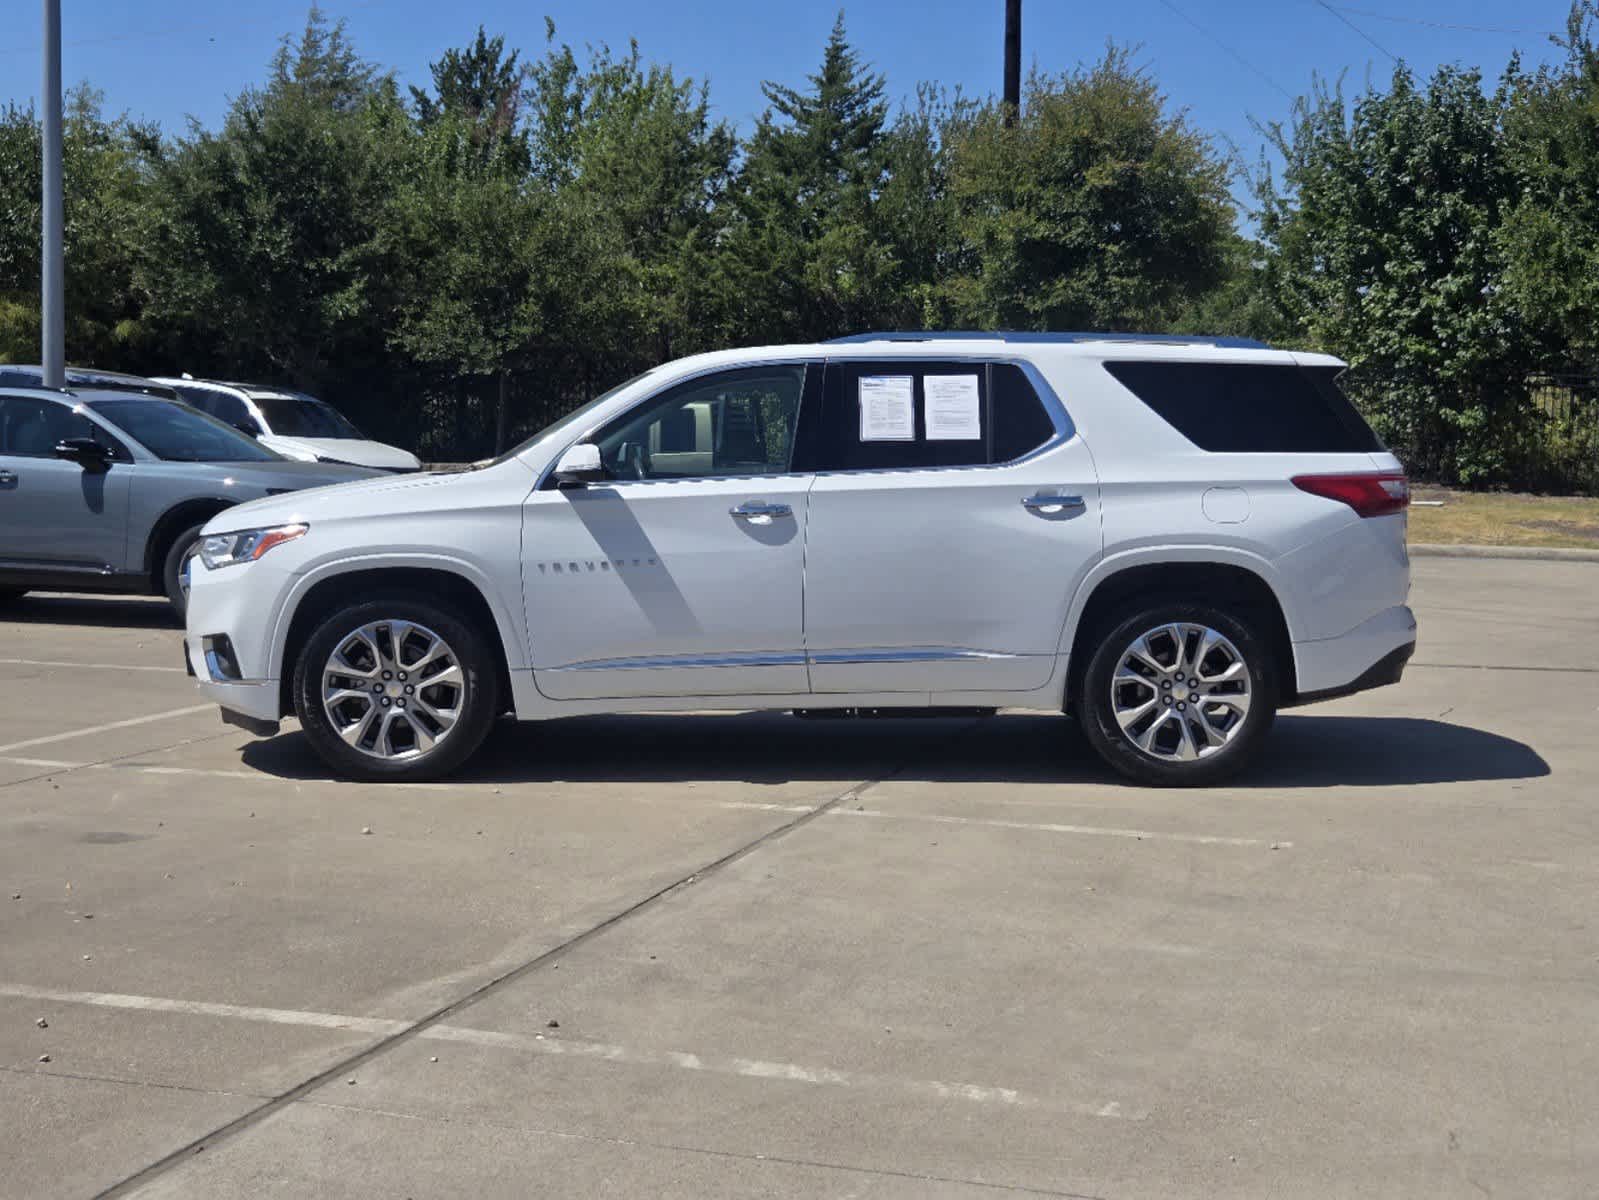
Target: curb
(1541, 553)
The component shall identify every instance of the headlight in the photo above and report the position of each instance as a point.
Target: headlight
(229, 549)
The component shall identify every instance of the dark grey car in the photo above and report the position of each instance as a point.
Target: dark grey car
(106, 491)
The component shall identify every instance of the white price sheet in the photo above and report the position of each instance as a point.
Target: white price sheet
(952, 408)
(887, 408)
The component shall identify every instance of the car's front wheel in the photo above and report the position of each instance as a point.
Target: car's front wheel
(175, 568)
(396, 689)
(1180, 693)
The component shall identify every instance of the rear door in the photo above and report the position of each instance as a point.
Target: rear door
(54, 514)
(954, 512)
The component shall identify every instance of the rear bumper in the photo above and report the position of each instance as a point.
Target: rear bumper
(1373, 654)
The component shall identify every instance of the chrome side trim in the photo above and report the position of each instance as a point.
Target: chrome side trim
(667, 661)
(907, 655)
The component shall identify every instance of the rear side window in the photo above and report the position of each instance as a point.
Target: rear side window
(900, 414)
(1243, 408)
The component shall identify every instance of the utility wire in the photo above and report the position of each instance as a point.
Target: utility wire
(1228, 49)
(1401, 20)
(1357, 29)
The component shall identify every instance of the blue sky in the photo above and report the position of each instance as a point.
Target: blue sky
(1228, 61)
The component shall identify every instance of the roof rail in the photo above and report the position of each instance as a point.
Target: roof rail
(1023, 336)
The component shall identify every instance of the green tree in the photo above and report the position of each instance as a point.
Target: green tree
(105, 168)
(260, 233)
(1382, 246)
(804, 255)
(1097, 209)
(1550, 236)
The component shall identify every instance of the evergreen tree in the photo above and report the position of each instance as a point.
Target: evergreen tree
(803, 256)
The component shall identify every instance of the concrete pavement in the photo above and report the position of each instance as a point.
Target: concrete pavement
(749, 955)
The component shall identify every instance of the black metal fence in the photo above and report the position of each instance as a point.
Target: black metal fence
(1537, 432)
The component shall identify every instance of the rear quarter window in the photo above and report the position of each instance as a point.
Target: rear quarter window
(1243, 408)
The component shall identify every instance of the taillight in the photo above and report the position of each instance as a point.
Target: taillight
(1369, 493)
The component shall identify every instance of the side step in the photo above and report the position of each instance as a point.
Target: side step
(847, 714)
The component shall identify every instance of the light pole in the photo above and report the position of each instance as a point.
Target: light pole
(1013, 60)
(52, 302)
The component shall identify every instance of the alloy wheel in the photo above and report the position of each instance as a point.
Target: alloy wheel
(393, 689)
(1180, 692)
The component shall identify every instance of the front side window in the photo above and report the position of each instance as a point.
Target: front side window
(735, 423)
(31, 428)
(179, 433)
(901, 414)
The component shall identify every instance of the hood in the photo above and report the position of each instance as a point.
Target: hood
(353, 451)
(280, 476)
(381, 496)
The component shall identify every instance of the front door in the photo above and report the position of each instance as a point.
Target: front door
(56, 516)
(953, 516)
(682, 573)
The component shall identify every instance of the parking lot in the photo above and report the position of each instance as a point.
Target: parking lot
(739, 955)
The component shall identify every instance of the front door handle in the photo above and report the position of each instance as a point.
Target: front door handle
(7, 479)
(1052, 503)
(758, 512)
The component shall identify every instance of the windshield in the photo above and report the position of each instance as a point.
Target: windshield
(572, 418)
(296, 416)
(178, 433)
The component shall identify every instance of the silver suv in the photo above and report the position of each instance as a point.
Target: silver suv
(105, 490)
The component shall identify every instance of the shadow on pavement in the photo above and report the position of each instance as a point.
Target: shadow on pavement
(112, 612)
(1302, 751)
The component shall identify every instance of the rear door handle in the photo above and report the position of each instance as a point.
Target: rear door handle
(759, 512)
(1053, 502)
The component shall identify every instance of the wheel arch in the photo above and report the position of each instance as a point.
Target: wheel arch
(170, 524)
(1229, 577)
(440, 580)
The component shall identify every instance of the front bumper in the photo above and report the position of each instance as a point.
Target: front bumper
(238, 604)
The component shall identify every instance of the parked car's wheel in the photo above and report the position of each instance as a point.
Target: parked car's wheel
(175, 568)
(1180, 693)
(396, 689)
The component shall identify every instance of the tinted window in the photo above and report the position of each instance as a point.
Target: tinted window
(31, 428)
(1249, 407)
(293, 416)
(1021, 424)
(177, 432)
(996, 402)
(735, 423)
(216, 404)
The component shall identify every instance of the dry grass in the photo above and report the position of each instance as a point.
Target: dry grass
(1505, 519)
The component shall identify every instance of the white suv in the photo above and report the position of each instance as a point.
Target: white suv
(1169, 538)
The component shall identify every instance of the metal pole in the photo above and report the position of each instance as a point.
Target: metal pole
(52, 301)
(1013, 60)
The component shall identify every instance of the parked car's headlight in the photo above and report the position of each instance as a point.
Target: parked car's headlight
(229, 549)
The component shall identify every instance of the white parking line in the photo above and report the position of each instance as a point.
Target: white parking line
(748, 1068)
(106, 728)
(1198, 839)
(42, 662)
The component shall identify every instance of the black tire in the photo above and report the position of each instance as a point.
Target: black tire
(185, 544)
(477, 708)
(1159, 766)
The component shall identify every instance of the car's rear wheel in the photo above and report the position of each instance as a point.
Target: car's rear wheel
(175, 568)
(1180, 693)
(396, 689)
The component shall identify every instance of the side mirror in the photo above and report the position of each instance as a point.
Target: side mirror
(579, 465)
(86, 452)
(250, 426)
